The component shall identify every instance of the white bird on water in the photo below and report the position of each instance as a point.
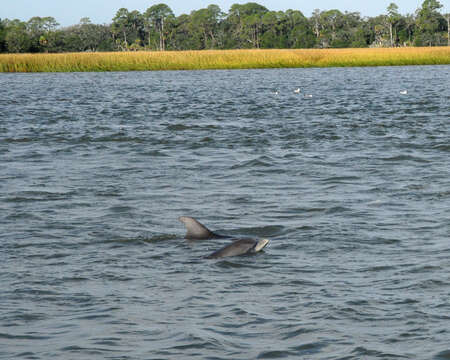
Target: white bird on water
(404, 92)
(297, 91)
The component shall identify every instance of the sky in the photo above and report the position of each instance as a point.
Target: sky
(102, 11)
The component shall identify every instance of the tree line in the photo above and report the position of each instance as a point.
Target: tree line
(249, 25)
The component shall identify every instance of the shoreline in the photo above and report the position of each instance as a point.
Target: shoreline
(223, 59)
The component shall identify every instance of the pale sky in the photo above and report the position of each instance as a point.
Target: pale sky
(102, 11)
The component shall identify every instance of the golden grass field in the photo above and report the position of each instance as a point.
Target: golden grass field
(222, 59)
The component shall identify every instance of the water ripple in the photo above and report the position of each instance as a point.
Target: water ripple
(350, 186)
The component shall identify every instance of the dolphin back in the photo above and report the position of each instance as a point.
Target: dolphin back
(239, 247)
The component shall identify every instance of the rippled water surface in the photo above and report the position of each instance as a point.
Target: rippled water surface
(349, 179)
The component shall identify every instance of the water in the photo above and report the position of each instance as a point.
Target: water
(352, 186)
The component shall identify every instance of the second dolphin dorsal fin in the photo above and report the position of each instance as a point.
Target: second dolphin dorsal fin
(195, 230)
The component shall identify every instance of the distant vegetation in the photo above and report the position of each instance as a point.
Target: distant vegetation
(246, 26)
(221, 59)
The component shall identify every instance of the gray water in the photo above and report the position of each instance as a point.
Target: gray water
(350, 184)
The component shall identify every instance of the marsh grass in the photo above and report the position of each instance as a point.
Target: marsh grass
(222, 59)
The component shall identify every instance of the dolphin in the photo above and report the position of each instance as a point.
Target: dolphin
(198, 231)
(239, 247)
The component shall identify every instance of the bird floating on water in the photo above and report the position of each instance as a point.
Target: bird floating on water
(297, 91)
(404, 92)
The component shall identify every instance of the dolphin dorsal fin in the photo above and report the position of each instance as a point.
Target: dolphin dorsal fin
(195, 230)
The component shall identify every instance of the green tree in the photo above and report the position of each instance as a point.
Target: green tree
(2, 36)
(205, 24)
(127, 28)
(393, 17)
(275, 30)
(299, 30)
(181, 35)
(404, 29)
(380, 31)
(156, 18)
(429, 22)
(317, 26)
(246, 23)
(354, 33)
(332, 25)
(120, 28)
(41, 31)
(17, 38)
(447, 18)
(87, 36)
